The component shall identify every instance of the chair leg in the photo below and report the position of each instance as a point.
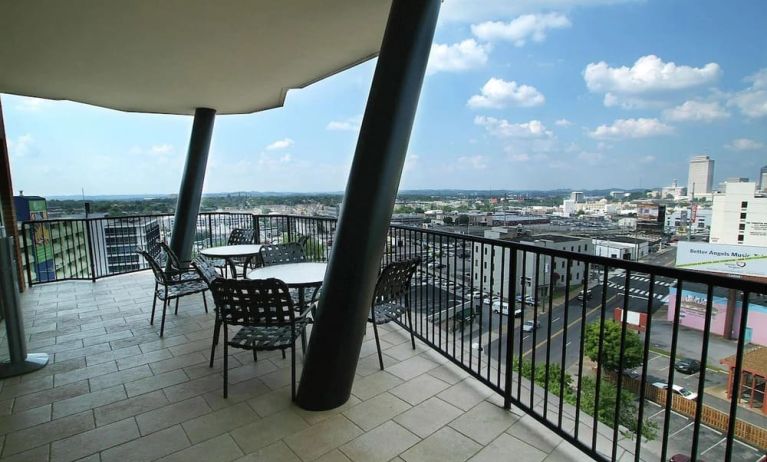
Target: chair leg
(154, 304)
(205, 302)
(303, 341)
(226, 362)
(378, 344)
(216, 331)
(410, 322)
(283, 354)
(255, 355)
(176, 312)
(292, 370)
(165, 304)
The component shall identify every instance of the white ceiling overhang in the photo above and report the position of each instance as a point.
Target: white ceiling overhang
(172, 56)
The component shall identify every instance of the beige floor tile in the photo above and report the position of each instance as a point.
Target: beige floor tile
(277, 452)
(155, 382)
(419, 389)
(446, 445)
(238, 393)
(120, 377)
(129, 407)
(313, 417)
(38, 454)
(428, 417)
(374, 384)
(150, 447)
(375, 411)
(323, 437)
(93, 441)
(506, 444)
(535, 434)
(218, 422)
(111, 355)
(380, 444)
(484, 422)
(219, 449)
(170, 339)
(412, 367)
(45, 433)
(12, 390)
(449, 373)
(84, 373)
(172, 414)
(178, 362)
(268, 430)
(334, 456)
(44, 397)
(465, 394)
(26, 419)
(88, 401)
(271, 402)
(196, 387)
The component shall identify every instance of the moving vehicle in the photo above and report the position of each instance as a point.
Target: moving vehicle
(687, 366)
(681, 391)
(580, 295)
(503, 309)
(529, 326)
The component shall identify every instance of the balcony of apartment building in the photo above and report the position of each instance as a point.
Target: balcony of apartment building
(570, 370)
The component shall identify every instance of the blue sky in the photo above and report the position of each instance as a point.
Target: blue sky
(519, 95)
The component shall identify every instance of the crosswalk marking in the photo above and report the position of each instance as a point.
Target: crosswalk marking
(633, 290)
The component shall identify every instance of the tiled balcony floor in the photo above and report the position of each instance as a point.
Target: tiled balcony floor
(115, 391)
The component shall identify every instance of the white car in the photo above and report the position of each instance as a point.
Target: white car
(529, 326)
(503, 309)
(681, 391)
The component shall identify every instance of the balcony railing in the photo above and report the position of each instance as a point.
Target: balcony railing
(586, 345)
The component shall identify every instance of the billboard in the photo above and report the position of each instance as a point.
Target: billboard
(722, 258)
(650, 211)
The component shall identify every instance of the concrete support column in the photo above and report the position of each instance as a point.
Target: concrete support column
(190, 192)
(6, 200)
(368, 203)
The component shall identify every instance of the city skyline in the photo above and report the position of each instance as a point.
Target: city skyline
(565, 94)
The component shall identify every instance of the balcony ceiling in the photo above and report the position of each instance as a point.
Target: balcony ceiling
(172, 56)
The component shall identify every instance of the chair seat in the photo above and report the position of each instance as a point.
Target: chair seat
(182, 288)
(387, 312)
(191, 275)
(267, 337)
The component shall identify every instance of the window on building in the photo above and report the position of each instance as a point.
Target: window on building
(743, 204)
(742, 227)
(740, 238)
(743, 216)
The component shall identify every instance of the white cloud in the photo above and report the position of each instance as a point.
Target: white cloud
(30, 104)
(273, 161)
(647, 159)
(477, 162)
(498, 93)
(752, 101)
(504, 129)
(563, 123)
(351, 124)
(520, 30)
(696, 111)
(649, 74)
(161, 149)
(744, 144)
(280, 144)
(591, 158)
(632, 128)
(457, 57)
(20, 147)
(473, 10)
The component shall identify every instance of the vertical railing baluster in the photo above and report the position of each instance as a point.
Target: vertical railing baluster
(702, 374)
(510, 330)
(735, 392)
(670, 381)
(643, 380)
(586, 269)
(600, 353)
(622, 349)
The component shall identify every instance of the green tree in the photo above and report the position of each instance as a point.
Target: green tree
(462, 220)
(605, 408)
(611, 346)
(448, 220)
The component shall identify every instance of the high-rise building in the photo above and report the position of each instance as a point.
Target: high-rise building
(700, 178)
(578, 197)
(739, 216)
(115, 241)
(763, 179)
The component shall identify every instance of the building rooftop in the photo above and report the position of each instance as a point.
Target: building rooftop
(548, 237)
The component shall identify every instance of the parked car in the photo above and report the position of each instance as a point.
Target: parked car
(529, 326)
(580, 295)
(687, 366)
(679, 390)
(461, 317)
(503, 309)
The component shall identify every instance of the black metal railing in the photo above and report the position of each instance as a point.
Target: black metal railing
(582, 344)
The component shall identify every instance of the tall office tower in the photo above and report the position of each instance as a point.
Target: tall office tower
(700, 179)
(763, 179)
(578, 197)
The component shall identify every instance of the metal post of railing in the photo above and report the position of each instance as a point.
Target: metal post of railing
(26, 251)
(290, 229)
(510, 329)
(210, 229)
(91, 258)
(256, 227)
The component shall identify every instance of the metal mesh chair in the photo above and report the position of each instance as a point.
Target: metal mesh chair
(238, 236)
(280, 254)
(168, 286)
(174, 268)
(391, 298)
(264, 310)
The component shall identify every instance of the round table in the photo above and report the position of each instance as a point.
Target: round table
(295, 275)
(228, 252)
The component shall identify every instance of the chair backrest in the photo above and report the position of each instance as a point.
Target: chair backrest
(302, 240)
(255, 302)
(205, 269)
(241, 236)
(394, 280)
(279, 254)
(173, 260)
(159, 274)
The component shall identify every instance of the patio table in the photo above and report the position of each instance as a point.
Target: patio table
(230, 252)
(295, 275)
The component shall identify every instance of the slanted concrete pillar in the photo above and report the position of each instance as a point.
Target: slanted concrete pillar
(190, 192)
(347, 291)
(6, 200)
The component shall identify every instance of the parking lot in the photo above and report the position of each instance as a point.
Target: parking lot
(711, 443)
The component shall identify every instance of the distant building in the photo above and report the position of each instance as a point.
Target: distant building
(763, 179)
(621, 247)
(115, 241)
(700, 179)
(739, 216)
(674, 191)
(578, 197)
(490, 262)
(680, 218)
(651, 217)
(733, 179)
(568, 207)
